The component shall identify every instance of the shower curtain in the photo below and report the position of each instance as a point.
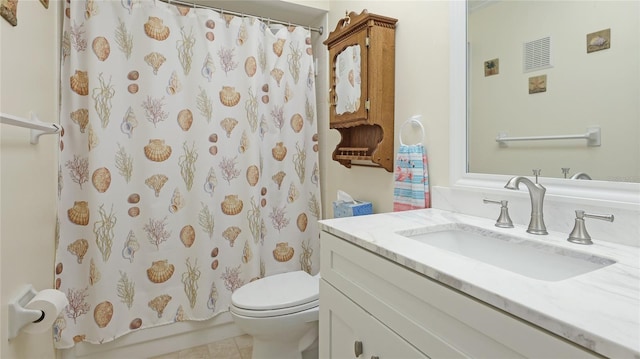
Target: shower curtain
(188, 163)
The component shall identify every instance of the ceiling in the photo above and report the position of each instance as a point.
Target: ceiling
(275, 10)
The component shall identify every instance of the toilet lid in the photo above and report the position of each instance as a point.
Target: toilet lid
(278, 291)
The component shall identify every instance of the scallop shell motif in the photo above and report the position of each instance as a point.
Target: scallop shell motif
(101, 48)
(79, 249)
(277, 74)
(80, 83)
(101, 179)
(156, 182)
(79, 213)
(231, 205)
(250, 66)
(279, 152)
(253, 175)
(81, 117)
(302, 221)
(185, 119)
(157, 150)
(155, 60)
(229, 96)
(159, 303)
(103, 313)
(278, 178)
(297, 122)
(188, 235)
(278, 46)
(155, 29)
(228, 124)
(231, 234)
(283, 252)
(160, 271)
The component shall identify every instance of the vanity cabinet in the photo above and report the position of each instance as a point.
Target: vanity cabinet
(362, 89)
(398, 313)
(354, 333)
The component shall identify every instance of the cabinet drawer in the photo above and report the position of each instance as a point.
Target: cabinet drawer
(437, 319)
(343, 323)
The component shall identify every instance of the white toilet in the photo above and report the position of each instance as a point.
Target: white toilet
(280, 312)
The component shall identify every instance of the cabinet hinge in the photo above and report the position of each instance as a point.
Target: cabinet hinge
(367, 105)
(366, 41)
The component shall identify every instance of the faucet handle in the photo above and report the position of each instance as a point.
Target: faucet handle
(504, 221)
(536, 172)
(579, 233)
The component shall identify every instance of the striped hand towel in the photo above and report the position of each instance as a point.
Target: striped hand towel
(411, 189)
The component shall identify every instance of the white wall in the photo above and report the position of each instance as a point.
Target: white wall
(583, 89)
(29, 68)
(28, 82)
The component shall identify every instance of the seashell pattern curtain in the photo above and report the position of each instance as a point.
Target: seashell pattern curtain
(188, 164)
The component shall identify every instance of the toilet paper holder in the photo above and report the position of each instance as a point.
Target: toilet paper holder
(19, 316)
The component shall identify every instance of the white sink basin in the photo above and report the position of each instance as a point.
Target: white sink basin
(529, 258)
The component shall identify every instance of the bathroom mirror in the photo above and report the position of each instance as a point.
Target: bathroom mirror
(348, 80)
(586, 76)
(622, 191)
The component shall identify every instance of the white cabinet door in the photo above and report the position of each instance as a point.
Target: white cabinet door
(343, 324)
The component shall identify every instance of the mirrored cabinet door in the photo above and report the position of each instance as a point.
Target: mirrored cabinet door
(349, 80)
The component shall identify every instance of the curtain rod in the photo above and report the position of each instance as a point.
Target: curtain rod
(194, 5)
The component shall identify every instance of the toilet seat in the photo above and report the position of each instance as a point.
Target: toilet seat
(276, 295)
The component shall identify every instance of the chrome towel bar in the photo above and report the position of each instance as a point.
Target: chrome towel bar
(38, 128)
(592, 136)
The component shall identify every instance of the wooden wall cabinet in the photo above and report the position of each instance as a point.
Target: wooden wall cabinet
(362, 89)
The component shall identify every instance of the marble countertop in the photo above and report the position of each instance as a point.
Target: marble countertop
(599, 310)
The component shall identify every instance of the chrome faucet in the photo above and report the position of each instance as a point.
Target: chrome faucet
(536, 192)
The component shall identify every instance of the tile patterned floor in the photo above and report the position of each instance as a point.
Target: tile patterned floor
(233, 348)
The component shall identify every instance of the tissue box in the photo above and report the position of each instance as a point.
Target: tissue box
(348, 209)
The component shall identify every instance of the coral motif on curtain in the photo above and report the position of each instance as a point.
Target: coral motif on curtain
(188, 164)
